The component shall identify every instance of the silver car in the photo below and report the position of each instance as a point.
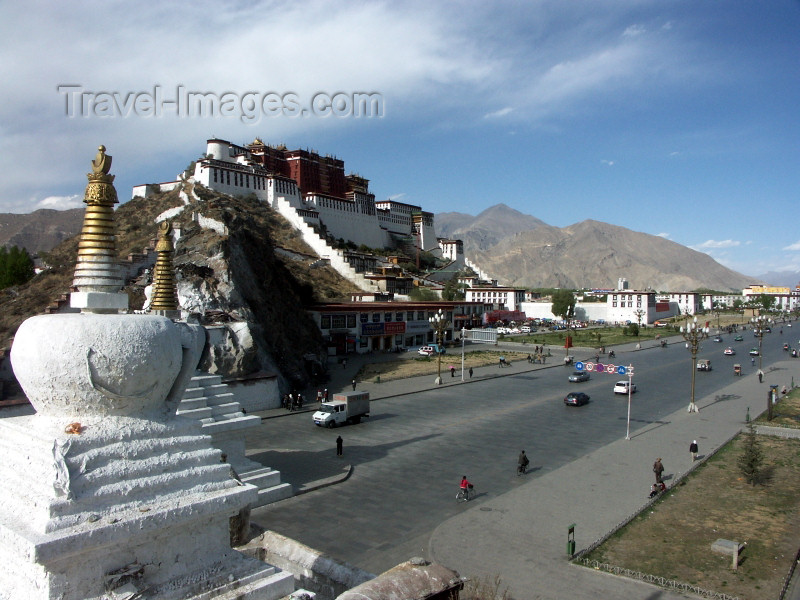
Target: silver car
(579, 376)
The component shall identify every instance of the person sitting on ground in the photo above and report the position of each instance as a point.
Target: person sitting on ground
(657, 488)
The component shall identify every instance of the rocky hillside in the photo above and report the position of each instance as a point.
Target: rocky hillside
(522, 251)
(40, 230)
(255, 276)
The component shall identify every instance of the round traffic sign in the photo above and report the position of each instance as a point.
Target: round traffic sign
(579, 366)
(610, 368)
(590, 366)
(621, 370)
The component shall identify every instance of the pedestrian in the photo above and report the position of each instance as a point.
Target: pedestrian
(752, 360)
(760, 376)
(344, 363)
(452, 371)
(319, 395)
(339, 444)
(522, 463)
(354, 385)
(326, 394)
(658, 469)
(470, 372)
(693, 450)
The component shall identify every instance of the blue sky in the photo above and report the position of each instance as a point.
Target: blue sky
(674, 118)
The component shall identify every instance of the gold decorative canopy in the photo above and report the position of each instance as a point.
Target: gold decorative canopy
(97, 269)
(165, 296)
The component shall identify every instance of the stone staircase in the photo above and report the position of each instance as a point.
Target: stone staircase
(211, 402)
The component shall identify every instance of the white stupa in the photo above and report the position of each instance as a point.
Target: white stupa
(107, 493)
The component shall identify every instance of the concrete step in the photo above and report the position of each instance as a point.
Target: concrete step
(210, 426)
(274, 494)
(197, 413)
(225, 408)
(215, 399)
(269, 479)
(191, 404)
(206, 390)
(205, 380)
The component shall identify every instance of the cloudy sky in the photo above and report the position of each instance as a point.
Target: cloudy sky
(675, 118)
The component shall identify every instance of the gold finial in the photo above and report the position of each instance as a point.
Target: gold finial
(101, 165)
(165, 295)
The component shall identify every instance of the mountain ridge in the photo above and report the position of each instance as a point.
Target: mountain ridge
(530, 253)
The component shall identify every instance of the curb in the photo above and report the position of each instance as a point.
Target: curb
(322, 483)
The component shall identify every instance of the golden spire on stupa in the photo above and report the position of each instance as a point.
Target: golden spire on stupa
(165, 295)
(97, 269)
(98, 275)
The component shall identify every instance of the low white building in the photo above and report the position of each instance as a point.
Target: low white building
(501, 298)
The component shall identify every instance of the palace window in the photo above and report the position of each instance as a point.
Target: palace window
(351, 321)
(364, 317)
(376, 317)
(325, 322)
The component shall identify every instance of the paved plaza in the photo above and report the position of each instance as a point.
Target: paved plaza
(521, 534)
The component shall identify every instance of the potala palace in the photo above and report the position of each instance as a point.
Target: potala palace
(313, 190)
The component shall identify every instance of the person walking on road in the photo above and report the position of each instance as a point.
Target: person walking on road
(339, 444)
(354, 385)
(760, 376)
(452, 371)
(693, 450)
(658, 469)
(522, 463)
(470, 372)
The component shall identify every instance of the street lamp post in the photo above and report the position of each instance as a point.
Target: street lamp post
(759, 323)
(693, 333)
(439, 323)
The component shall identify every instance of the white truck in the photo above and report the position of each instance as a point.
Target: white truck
(347, 407)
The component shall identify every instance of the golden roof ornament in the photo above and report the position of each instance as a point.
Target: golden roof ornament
(165, 294)
(97, 270)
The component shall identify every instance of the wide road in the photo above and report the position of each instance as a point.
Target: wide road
(409, 456)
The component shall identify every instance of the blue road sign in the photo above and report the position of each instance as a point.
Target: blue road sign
(622, 370)
(579, 366)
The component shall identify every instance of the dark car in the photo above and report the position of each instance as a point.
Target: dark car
(738, 338)
(579, 376)
(576, 399)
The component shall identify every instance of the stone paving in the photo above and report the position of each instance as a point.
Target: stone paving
(523, 533)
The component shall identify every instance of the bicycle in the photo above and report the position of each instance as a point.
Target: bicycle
(464, 494)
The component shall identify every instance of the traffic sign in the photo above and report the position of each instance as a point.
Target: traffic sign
(621, 370)
(610, 368)
(579, 366)
(590, 366)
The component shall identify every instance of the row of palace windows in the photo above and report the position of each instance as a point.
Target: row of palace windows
(341, 321)
(239, 179)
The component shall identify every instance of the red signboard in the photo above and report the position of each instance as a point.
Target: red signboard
(396, 327)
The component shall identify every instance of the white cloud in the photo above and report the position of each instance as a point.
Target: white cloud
(663, 235)
(795, 246)
(397, 196)
(609, 163)
(718, 244)
(633, 31)
(60, 202)
(498, 113)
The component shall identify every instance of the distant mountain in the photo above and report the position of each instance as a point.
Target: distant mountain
(41, 230)
(781, 278)
(488, 228)
(520, 250)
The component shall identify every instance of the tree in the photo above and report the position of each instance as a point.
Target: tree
(766, 301)
(453, 290)
(563, 304)
(752, 456)
(423, 294)
(16, 266)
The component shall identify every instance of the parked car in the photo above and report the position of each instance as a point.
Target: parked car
(753, 351)
(576, 399)
(525, 329)
(621, 387)
(426, 351)
(738, 338)
(729, 351)
(579, 376)
(717, 338)
(703, 364)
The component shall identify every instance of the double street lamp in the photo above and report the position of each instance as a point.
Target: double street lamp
(440, 324)
(759, 323)
(693, 333)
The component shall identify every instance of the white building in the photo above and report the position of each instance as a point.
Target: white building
(501, 298)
